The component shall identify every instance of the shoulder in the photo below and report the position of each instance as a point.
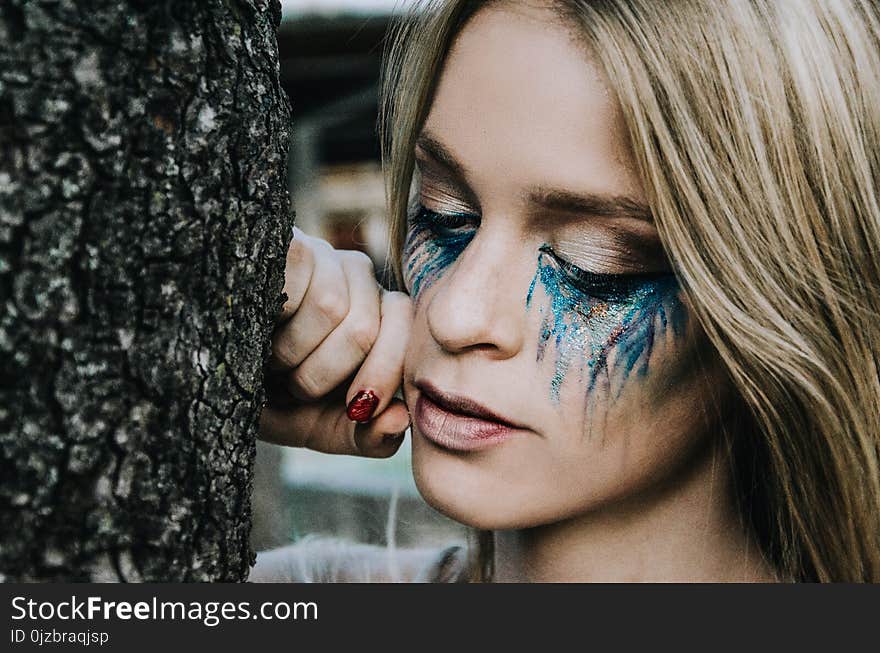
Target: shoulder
(323, 559)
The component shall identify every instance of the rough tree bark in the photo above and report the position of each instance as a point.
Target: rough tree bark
(144, 219)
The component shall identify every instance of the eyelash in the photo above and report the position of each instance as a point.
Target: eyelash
(438, 222)
(601, 286)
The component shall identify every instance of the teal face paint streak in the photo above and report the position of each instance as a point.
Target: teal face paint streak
(434, 242)
(591, 316)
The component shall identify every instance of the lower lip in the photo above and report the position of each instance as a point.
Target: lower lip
(456, 431)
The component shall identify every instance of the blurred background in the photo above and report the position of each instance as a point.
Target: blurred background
(331, 52)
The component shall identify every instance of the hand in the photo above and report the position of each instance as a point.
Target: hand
(337, 322)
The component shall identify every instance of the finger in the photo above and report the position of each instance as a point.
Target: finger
(307, 425)
(324, 306)
(297, 273)
(383, 434)
(382, 371)
(326, 428)
(343, 351)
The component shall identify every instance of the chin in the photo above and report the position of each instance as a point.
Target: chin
(463, 491)
(468, 514)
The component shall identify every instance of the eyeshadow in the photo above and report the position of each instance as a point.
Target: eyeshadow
(430, 248)
(596, 325)
(624, 316)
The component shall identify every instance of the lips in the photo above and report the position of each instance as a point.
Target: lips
(459, 423)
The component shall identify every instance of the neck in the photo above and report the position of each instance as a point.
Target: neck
(683, 531)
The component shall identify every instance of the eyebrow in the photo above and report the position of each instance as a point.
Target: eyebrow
(441, 154)
(606, 206)
(551, 199)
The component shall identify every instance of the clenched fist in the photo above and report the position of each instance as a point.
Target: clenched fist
(337, 355)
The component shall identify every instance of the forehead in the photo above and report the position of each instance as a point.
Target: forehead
(519, 96)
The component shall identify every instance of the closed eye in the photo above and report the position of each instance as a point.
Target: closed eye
(445, 223)
(603, 286)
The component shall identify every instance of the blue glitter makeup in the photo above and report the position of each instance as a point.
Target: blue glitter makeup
(434, 241)
(591, 316)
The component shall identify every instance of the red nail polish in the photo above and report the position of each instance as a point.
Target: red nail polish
(360, 409)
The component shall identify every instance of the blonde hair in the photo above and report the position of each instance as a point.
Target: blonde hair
(755, 125)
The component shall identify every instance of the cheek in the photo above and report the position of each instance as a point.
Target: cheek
(650, 432)
(656, 411)
(417, 346)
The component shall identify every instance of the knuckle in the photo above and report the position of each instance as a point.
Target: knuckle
(359, 259)
(282, 350)
(332, 305)
(288, 308)
(397, 301)
(363, 332)
(299, 254)
(321, 246)
(397, 297)
(291, 303)
(282, 358)
(306, 384)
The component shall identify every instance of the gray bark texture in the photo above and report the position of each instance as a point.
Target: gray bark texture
(144, 220)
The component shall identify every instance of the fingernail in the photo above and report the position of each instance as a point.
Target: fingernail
(390, 438)
(362, 406)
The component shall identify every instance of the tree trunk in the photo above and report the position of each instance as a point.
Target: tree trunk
(144, 219)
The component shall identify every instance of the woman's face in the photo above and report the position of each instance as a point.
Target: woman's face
(553, 367)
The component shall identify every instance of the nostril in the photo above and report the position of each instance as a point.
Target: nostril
(471, 320)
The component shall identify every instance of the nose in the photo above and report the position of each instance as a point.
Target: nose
(479, 304)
